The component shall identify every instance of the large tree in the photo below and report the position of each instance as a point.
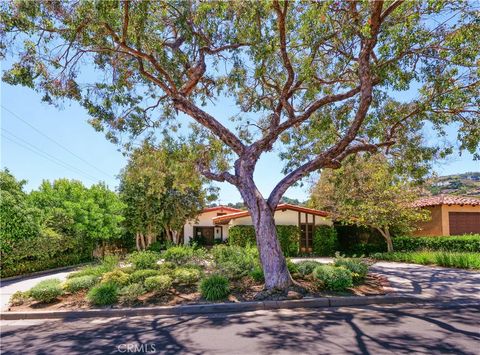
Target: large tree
(70, 208)
(322, 78)
(367, 191)
(162, 191)
(19, 220)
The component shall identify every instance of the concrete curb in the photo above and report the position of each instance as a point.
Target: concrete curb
(42, 273)
(217, 308)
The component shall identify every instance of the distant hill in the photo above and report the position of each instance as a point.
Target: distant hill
(459, 184)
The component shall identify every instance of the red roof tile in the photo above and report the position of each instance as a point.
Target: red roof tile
(221, 209)
(446, 200)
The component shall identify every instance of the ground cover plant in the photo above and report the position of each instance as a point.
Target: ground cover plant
(461, 260)
(221, 273)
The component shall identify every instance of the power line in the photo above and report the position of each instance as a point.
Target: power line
(54, 141)
(24, 144)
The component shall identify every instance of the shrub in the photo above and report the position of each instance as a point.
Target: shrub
(289, 238)
(143, 259)
(292, 267)
(232, 270)
(186, 276)
(167, 266)
(306, 267)
(107, 264)
(45, 250)
(76, 284)
(116, 276)
(242, 236)
(46, 290)
(160, 284)
(257, 274)
(356, 266)
(448, 259)
(325, 241)
(180, 255)
(156, 247)
(234, 261)
(103, 294)
(214, 288)
(19, 298)
(333, 278)
(467, 243)
(355, 240)
(129, 294)
(141, 275)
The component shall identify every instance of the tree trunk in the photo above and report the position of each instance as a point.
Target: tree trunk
(273, 261)
(388, 238)
(140, 241)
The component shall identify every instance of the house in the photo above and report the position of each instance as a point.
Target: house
(214, 223)
(450, 215)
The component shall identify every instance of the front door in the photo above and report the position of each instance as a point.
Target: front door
(306, 237)
(205, 233)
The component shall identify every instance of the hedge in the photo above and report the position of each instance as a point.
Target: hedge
(353, 240)
(467, 243)
(288, 236)
(46, 251)
(325, 242)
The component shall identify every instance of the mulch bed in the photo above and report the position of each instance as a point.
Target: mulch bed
(243, 290)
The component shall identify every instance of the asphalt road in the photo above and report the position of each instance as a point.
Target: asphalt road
(408, 329)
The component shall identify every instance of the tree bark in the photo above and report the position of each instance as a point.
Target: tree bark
(273, 261)
(388, 238)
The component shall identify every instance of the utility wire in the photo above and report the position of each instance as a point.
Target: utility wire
(24, 144)
(54, 141)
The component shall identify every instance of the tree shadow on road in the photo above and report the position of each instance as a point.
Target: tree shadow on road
(366, 330)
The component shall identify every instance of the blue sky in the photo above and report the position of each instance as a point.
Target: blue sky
(67, 146)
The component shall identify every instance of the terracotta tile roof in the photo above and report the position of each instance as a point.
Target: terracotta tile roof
(446, 200)
(221, 209)
(280, 207)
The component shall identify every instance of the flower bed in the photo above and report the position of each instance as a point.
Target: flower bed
(184, 275)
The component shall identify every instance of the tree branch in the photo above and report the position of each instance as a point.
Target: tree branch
(208, 121)
(321, 161)
(220, 177)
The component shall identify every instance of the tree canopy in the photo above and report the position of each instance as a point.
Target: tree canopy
(69, 208)
(18, 219)
(366, 191)
(317, 81)
(162, 190)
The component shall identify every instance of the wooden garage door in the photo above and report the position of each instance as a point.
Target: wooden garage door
(464, 222)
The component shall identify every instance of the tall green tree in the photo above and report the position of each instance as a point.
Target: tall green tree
(323, 80)
(19, 220)
(162, 191)
(366, 191)
(70, 208)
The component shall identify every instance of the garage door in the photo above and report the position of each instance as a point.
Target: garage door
(464, 222)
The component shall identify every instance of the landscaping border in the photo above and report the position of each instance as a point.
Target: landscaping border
(218, 307)
(43, 272)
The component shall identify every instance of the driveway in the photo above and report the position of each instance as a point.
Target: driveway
(425, 281)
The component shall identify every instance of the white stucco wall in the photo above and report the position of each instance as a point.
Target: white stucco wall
(204, 220)
(287, 217)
